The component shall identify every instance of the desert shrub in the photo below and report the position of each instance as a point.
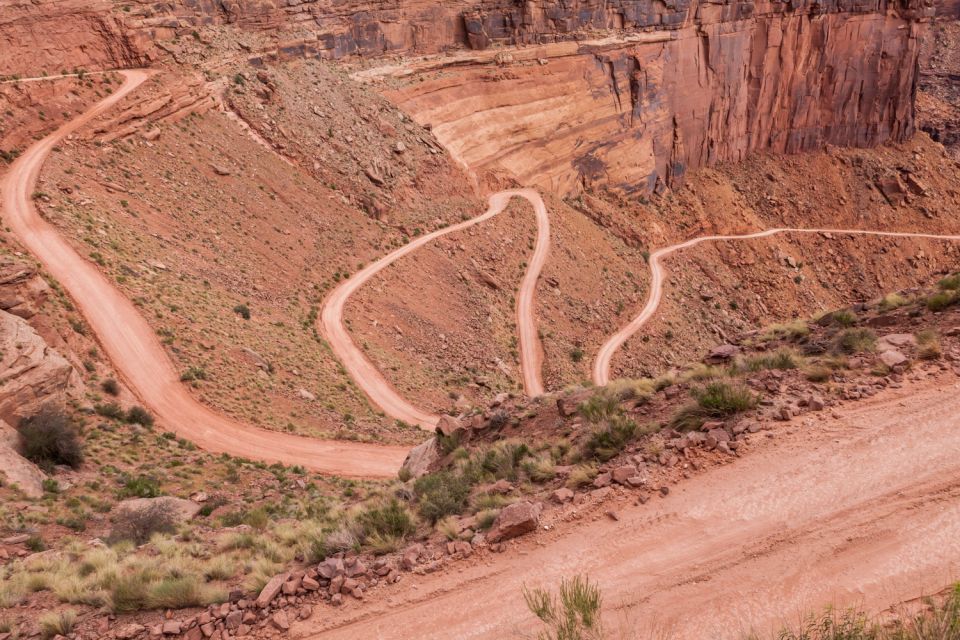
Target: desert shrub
(575, 615)
(57, 623)
(928, 344)
(441, 494)
(110, 386)
(630, 389)
(841, 318)
(781, 359)
(539, 469)
(486, 518)
(140, 487)
(110, 410)
(892, 301)
(599, 407)
(942, 300)
(608, 441)
(817, 373)
(582, 474)
(720, 399)
(50, 438)
(128, 592)
(501, 462)
(716, 400)
(176, 593)
(855, 341)
(243, 311)
(137, 525)
(795, 330)
(950, 283)
(138, 415)
(390, 519)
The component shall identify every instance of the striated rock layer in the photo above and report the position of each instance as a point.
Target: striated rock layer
(676, 84)
(636, 116)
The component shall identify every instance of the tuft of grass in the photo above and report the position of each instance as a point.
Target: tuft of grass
(574, 615)
(817, 373)
(441, 494)
(782, 359)
(716, 400)
(950, 283)
(581, 475)
(794, 330)
(942, 300)
(928, 344)
(892, 301)
(852, 341)
(176, 593)
(841, 318)
(57, 623)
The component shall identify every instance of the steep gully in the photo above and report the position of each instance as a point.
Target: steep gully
(137, 354)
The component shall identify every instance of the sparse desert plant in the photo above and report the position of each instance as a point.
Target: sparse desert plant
(138, 525)
(928, 344)
(716, 400)
(110, 410)
(441, 494)
(57, 623)
(574, 615)
(50, 437)
(942, 300)
(600, 407)
(486, 518)
(389, 519)
(179, 592)
(243, 311)
(580, 475)
(817, 373)
(449, 528)
(841, 318)
(609, 440)
(138, 415)
(110, 386)
(140, 487)
(852, 341)
(794, 330)
(950, 283)
(892, 301)
(781, 359)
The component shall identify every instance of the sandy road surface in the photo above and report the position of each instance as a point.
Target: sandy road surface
(132, 345)
(366, 374)
(861, 510)
(601, 365)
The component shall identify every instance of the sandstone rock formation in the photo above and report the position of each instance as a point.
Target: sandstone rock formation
(17, 469)
(31, 373)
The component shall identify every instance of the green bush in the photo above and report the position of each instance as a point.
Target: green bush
(138, 415)
(141, 487)
(391, 519)
(855, 341)
(441, 494)
(575, 615)
(950, 283)
(942, 300)
(605, 443)
(110, 410)
(176, 593)
(716, 400)
(128, 592)
(243, 310)
(110, 386)
(50, 438)
(843, 318)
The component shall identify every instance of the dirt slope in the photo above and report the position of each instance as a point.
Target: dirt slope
(133, 345)
(836, 512)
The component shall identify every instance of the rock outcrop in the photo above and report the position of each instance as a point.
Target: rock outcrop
(635, 115)
(17, 469)
(31, 373)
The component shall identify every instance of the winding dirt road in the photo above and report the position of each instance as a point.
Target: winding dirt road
(366, 374)
(132, 345)
(859, 510)
(601, 365)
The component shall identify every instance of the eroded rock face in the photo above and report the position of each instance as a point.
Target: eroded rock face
(637, 117)
(17, 469)
(31, 373)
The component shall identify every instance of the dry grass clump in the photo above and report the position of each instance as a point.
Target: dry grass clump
(928, 344)
(794, 330)
(717, 400)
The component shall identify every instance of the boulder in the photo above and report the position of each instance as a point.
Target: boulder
(450, 427)
(893, 358)
(562, 495)
(896, 341)
(271, 590)
(31, 373)
(515, 520)
(722, 353)
(620, 475)
(17, 469)
(421, 458)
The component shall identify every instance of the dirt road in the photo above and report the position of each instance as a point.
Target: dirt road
(601, 365)
(861, 510)
(132, 345)
(366, 374)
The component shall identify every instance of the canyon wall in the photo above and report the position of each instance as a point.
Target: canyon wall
(630, 94)
(635, 116)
